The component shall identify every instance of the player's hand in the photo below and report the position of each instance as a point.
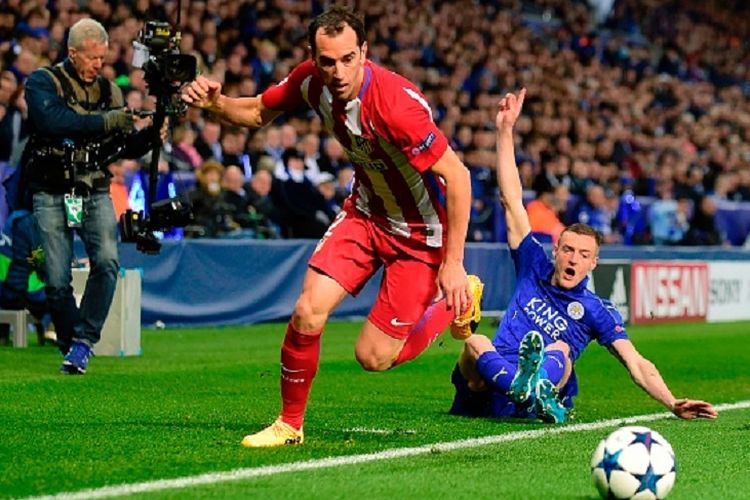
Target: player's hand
(201, 93)
(508, 109)
(690, 409)
(454, 286)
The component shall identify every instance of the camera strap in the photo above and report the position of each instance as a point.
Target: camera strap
(71, 96)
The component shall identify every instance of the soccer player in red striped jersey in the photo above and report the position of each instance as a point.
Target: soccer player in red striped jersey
(408, 212)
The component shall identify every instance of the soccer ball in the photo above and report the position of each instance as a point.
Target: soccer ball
(633, 462)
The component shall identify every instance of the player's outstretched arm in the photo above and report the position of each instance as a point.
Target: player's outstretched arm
(645, 374)
(452, 275)
(511, 192)
(243, 111)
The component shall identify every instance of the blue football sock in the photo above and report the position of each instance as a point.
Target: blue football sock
(553, 367)
(496, 371)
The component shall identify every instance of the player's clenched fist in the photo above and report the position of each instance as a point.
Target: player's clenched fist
(201, 92)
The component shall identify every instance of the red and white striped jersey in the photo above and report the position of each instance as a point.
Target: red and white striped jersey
(390, 137)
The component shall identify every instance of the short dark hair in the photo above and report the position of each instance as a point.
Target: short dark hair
(585, 230)
(333, 21)
(290, 153)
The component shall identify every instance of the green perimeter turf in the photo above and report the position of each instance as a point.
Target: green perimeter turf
(182, 408)
(547, 467)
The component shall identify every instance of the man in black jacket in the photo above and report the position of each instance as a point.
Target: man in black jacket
(78, 126)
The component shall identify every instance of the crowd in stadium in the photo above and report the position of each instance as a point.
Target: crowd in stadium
(637, 121)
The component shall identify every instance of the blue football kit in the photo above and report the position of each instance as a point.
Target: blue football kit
(575, 316)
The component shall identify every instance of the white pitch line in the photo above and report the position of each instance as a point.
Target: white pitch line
(323, 463)
(368, 430)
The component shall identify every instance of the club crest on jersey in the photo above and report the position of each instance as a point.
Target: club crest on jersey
(575, 310)
(360, 152)
(361, 145)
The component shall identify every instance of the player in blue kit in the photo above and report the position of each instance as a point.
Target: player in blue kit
(527, 369)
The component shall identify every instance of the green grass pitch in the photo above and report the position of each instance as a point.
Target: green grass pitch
(181, 409)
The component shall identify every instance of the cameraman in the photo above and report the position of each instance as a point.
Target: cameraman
(78, 126)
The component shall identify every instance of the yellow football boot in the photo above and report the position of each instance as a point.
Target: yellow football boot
(467, 323)
(277, 434)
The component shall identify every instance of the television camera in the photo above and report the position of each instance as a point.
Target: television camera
(156, 52)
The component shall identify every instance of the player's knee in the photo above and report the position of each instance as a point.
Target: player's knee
(372, 364)
(559, 345)
(306, 317)
(372, 361)
(476, 345)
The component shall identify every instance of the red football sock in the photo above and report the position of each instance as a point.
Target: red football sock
(300, 354)
(433, 322)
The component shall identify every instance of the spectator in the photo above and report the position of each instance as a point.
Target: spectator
(263, 64)
(208, 143)
(289, 137)
(333, 158)
(703, 230)
(7, 24)
(272, 145)
(233, 148)
(597, 212)
(14, 128)
(668, 218)
(630, 219)
(526, 172)
(580, 177)
(213, 218)
(267, 214)
(8, 87)
(326, 184)
(742, 189)
(310, 147)
(24, 64)
(238, 195)
(184, 154)
(544, 212)
(547, 178)
(235, 194)
(134, 100)
(304, 211)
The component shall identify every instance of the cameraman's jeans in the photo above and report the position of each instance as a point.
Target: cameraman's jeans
(99, 235)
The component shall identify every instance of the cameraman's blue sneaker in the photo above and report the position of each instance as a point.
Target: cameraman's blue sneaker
(546, 403)
(530, 358)
(77, 359)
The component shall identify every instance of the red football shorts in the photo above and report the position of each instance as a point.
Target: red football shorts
(354, 248)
